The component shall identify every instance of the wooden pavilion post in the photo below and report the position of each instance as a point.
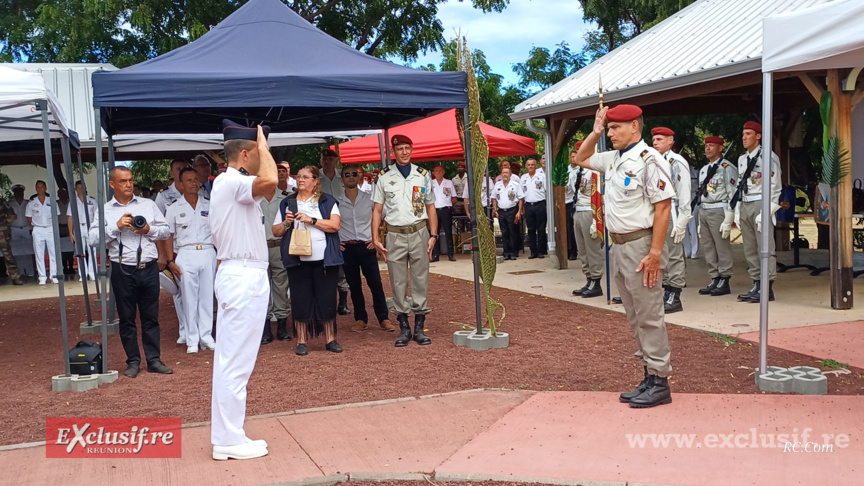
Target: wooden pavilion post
(840, 199)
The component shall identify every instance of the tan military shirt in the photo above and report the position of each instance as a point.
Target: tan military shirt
(719, 190)
(754, 181)
(635, 181)
(404, 198)
(680, 174)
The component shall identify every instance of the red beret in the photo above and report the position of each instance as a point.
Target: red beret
(460, 164)
(400, 140)
(717, 140)
(579, 144)
(327, 152)
(663, 131)
(377, 171)
(623, 113)
(752, 125)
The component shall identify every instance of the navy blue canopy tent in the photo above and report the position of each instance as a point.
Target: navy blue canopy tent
(265, 63)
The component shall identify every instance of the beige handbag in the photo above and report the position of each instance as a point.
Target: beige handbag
(301, 242)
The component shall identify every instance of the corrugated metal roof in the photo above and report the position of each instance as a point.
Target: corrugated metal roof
(708, 40)
(72, 85)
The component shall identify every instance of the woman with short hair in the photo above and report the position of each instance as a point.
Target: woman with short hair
(312, 279)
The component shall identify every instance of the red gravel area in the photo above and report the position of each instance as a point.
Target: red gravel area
(554, 345)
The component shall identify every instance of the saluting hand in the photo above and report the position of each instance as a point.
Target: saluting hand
(650, 268)
(600, 120)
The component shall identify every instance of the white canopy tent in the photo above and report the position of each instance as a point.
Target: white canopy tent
(169, 142)
(824, 37)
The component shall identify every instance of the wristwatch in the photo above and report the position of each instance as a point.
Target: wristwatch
(434, 236)
(314, 220)
(169, 262)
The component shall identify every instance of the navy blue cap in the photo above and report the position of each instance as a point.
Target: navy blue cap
(235, 131)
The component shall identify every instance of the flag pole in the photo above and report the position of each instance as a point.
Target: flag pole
(602, 146)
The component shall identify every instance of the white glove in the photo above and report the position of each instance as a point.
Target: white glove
(737, 216)
(593, 230)
(680, 229)
(774, 208)
(726, 225)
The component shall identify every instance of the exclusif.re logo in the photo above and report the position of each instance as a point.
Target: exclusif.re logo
(103, 437)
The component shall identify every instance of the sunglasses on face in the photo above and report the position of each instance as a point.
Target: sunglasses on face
(350, 174)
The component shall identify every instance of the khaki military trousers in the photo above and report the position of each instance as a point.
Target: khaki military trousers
(752, 240)
(717, 251)
(644, 305)
(280, 304)
(590, 250)
(406, 252)
(676, 269)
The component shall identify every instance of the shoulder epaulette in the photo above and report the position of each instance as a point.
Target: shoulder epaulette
(422, 171)
(385, 170)
(646, 156)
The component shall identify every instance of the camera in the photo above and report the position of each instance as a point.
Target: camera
(139, 222)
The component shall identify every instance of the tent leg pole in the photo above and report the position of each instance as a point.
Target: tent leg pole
(764, 250)
(387, 147)
(76, 226)
(55, 227)
(103, 255)
(112, 303)
(90, 254)
(472, 210)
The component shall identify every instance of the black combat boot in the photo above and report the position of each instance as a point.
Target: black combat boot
(757, 296)
(617, 300)
(722, 287)
(282, 332)
(753, 292)
(342, 310)
(641, 387)
(404, 331)
(673, 300)
(713, 285)
(594, 289)
(583, 289)
(420, 336)
(656, 393)
(267, 337)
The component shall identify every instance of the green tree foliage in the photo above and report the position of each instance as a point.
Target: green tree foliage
(144, 172)
(544, 68)
(125, 32)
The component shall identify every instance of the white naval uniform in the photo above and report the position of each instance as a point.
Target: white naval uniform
(43, 234)
(243, 292)
(86, 213)
(163, 200)
(196, 258)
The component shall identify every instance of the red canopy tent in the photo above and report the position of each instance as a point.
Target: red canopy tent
(436, 138)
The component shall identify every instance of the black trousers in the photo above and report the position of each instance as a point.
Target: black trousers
(359, 258)
(572, 251)
(535, 218)
(509, 230)
(445, 223)
(137, 289)
(313, 295)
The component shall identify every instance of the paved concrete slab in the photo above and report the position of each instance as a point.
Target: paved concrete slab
(404, 437)
(584, 436)
(842, 341)
(802, 300)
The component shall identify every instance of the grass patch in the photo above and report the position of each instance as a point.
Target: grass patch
(726, 340)
(830, 363)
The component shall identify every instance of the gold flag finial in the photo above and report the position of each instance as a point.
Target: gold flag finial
(600, 89)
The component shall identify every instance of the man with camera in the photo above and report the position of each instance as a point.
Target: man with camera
(132, 225)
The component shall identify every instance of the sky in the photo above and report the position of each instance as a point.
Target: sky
(507, 37)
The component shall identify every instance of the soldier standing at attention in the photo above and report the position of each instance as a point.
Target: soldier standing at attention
(534, 188)
(716, 186)
(406, 191)
(445, 197)
(748, 212)
(638, 204)
(585, 183)
(674, 278)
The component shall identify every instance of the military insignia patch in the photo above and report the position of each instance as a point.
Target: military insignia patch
(392, 183)
(418, 201)
(661, 185)
(629, 174)
(205, 213)
(732, 181)
(725, 165)
(182, 215)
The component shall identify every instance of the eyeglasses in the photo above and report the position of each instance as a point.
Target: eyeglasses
(350, 174)
(304, 178)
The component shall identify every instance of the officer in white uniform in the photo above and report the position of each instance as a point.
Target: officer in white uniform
(534, 188)
(20, 229)
(638, 204)
(39, 213)
(716, 187)
(508, 205)
(86, 213)
(163, 200)
(585, 183)
(405, 191)
(188, 220)
(748, 212)
(445, 196)
(242, 287)
(674, 279)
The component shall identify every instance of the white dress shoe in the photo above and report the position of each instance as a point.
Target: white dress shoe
(247, 450)
(259, 442)
(41, 281)
(54, 280)
(206, 345)
(181, 340)
(192, 350)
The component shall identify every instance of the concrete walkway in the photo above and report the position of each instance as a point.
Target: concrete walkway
(552, 437)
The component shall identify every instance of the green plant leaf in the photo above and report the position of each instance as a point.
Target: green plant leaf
(836, 163)
(825, 114)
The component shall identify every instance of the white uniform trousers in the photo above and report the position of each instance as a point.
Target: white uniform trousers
(87, 271)
(24, 262)
(243, 293)
(181, 312)
(43, 240)
(198, 269)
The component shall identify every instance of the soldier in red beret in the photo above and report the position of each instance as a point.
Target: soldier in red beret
(716, 186)
(639, 196)
(748, 212)
(674, 277)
